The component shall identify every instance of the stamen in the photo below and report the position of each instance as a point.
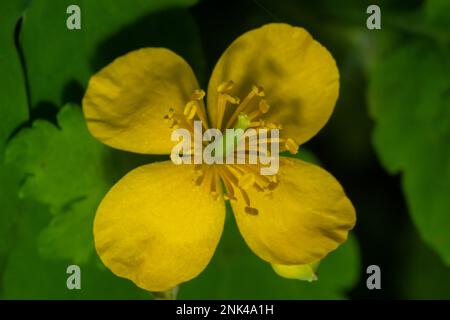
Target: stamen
(194, 107)
(246, 181)
(256, 91)
(225, 87)
(197, 97)
(246, 115)
(199, 176)
(263, 107)
(252, 211)
(222, 100)
(170, 121)
(190, 110)
(229, 175)
(222, 89)
(229, 195)
(215, 185)
(248, 208)
(260, 180)
(170, 114)
(257, 124)
(291, 146)
(198, 94)
(245, 196)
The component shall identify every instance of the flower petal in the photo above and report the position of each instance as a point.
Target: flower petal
(156, 228)
(126, 101)
(306, 216)
(298, 74)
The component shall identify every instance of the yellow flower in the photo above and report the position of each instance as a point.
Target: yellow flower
(160, 224)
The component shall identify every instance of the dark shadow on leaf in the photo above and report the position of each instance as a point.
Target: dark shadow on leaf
(174, 29)
(44, 110)
(118, 163)
(72, 92)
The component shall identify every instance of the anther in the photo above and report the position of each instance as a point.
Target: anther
(255, 91)
(263, 106)
(170, 114)
(231, 99)
(172, 122)
(258, 90)
(291, 146)
(225, 86)
(198, 94)
(229, 197)
(252, 211)
(273, 178)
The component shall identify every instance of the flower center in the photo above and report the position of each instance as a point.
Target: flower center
(232, 112)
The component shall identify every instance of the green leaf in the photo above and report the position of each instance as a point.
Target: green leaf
(302, 154)
(28, 276)
(409, 97)
(13, 112)
(423, 274)
(437, 13)
(9, 200)
(236, 273)
(13, 97)
(60, 61)
(67, 169)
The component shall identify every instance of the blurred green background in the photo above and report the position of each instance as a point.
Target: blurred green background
(387, 143)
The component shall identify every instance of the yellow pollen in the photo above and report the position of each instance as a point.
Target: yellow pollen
(258, 90)
(231, 99)
(237, 179)
(198, 94)
(193, 108)
(291, 146)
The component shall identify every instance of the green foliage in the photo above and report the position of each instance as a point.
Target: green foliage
(13, 99)
(67, 169)
(29, 276)
(60, 61)
(409, 97)
(63, 170)
(13, 111)
(437, 13)
(424, 275)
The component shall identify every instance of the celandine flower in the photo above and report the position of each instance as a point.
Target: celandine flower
(160, 224)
